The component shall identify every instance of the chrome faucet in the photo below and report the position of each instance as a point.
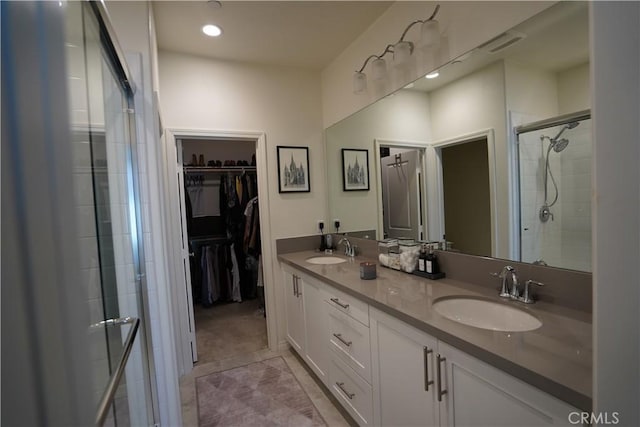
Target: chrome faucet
(505, 291)
(514, 291)
(349, 249)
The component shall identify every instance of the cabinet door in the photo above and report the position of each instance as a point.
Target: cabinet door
(403, 360)
(478, 394)
(315, 314)
(294, 310)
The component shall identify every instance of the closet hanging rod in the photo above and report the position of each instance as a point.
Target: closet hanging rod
(213, 169)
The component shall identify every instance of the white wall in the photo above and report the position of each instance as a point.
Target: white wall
(401, 117)
(531, 92)
(284, 103)
(573, 89)
(615, 69)
(471, 104)
(464, 25)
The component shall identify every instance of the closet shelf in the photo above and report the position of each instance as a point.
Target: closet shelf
(214, 169)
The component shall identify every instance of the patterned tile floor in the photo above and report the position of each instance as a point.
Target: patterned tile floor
(238, 351)
(260, 394)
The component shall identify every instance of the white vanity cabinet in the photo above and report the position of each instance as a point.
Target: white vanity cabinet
(404, 373)
(386, 372)
(410, 389)
(478, 394)
(316, 321)
(350, 354)
(294, 309)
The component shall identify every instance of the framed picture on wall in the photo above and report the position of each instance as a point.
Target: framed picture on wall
(293, 170)
(355, 169)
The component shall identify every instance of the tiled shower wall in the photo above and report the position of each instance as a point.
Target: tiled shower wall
(564, 241)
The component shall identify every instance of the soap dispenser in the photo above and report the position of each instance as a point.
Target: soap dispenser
(431, 263)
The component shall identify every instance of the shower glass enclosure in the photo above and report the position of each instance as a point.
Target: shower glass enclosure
(555, 192)
(108, 207)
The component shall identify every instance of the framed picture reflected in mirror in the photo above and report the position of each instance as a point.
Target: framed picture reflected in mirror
(355, 169)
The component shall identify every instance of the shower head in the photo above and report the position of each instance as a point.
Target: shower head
(560, 144)
(569, 125)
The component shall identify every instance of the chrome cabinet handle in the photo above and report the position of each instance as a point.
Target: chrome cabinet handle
(427, 382)
(339, 336)
(294, 285)
(526, 297)
(441, 392)
(297, 286)
(349, 395)
(337, 301)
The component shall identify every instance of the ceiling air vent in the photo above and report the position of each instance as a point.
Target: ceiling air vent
(503, 41)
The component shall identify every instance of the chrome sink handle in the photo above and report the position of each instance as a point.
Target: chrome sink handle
(526, 298)
(504, 291)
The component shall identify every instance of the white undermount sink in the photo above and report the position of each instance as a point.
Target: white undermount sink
(324, 260)
(486, 314)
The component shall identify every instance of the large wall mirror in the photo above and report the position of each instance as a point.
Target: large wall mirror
(493, 155)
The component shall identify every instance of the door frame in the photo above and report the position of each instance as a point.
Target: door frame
(437, 190)
(174, 252)
(417, 145)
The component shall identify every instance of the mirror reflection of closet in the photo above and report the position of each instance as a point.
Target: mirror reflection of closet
(220, 213)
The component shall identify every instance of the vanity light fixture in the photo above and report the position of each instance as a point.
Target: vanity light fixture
(432, 75)
(402, 50)
(212, 30)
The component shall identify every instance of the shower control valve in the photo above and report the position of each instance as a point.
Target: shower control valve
(545, 214)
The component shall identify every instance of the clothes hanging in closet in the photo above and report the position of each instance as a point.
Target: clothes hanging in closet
(235, 194)
(220, 274)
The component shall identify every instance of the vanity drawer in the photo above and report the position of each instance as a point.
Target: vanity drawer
(349, 339)
(347, 304)
(354, 393)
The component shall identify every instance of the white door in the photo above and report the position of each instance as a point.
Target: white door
(294, 311)
(185, 252)
(404, 374)
(401, 195)
(316, 321)
(478, 394)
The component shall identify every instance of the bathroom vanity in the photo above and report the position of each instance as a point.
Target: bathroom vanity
(390, 358)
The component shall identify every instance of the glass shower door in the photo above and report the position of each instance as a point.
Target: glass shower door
(107, 202)
(555, 193)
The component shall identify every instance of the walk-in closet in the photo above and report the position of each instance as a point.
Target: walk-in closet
(221, 217)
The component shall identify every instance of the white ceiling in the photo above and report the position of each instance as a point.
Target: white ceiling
(306, 34)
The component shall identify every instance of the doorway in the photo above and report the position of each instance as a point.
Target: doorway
(402, 199)
(221, 240)
(221, 310)
(467, 209)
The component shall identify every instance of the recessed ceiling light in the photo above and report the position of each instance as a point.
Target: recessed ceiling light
(432, 75)
(212, 30)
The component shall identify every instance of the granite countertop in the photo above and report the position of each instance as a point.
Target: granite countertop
(556, 358)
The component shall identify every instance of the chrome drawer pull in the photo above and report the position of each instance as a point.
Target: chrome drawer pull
(337, 301)
(339, 336)
(441, 392)
(349, 395)
(427, 383)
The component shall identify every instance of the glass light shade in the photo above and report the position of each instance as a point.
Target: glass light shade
(402, 52)
(379, 69)
(359, 82)
(430, 33)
